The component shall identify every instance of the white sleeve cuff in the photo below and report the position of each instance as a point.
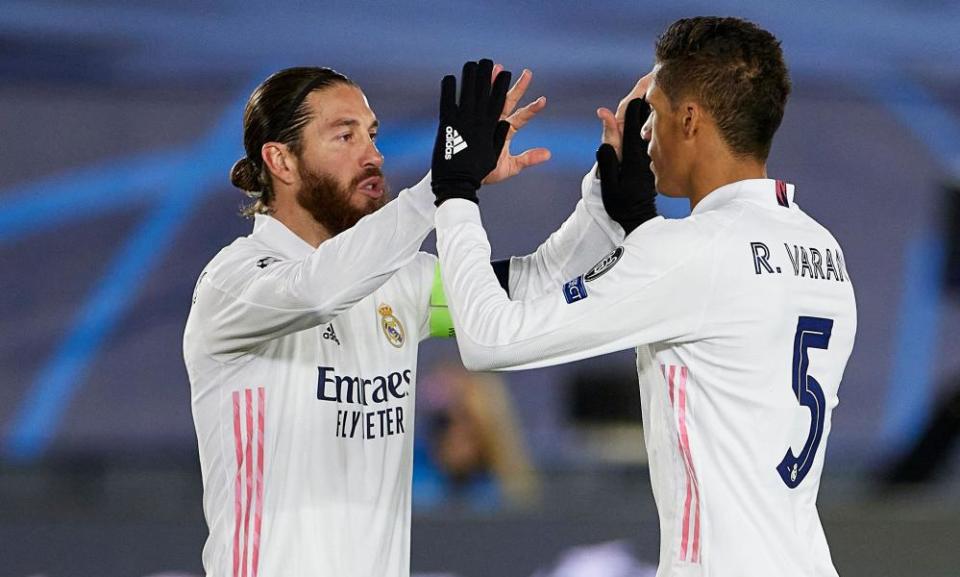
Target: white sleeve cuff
(457, 211)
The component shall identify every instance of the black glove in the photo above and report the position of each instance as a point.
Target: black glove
(627, 187)
(471, 134)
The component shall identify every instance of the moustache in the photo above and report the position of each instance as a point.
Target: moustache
(367, 173)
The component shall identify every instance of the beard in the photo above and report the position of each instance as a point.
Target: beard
(329, 202)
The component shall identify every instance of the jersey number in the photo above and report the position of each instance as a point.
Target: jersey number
(812, 332)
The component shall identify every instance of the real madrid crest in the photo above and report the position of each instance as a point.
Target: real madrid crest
(391, 326)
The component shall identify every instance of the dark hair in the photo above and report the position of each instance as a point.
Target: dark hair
(276, 112)
(735, 70)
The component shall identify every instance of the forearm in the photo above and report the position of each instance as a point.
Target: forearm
(585, 237)
(643, 295)
(356, 262)
(493, 331)
(252, 294)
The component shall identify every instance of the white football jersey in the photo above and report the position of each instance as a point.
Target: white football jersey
(302, 365)
(743, 317)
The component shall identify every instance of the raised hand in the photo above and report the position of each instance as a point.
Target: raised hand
(627, 186)
(509, 164)
(471, 134)
(613, 123)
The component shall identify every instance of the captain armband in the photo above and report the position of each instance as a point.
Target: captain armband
(441, 324)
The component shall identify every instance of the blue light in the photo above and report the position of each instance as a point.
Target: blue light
(177, 181)
(911, 386)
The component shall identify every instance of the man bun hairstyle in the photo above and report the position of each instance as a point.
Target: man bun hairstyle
(245, 176)
(735, 70)
(276, 112)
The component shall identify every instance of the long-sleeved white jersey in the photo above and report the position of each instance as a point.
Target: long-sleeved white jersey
(743, 317)
(302, 365)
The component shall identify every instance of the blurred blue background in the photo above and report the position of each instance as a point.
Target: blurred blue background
(119, 124)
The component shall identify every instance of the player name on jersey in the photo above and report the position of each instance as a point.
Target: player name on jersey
(365, 423)
(806, 262)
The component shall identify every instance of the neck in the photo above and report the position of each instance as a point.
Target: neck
(301, 222)
(716, 172)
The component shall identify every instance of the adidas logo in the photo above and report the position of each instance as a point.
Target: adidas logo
(455, 143)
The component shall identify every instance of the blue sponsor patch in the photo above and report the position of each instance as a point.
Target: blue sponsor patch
(575, 290)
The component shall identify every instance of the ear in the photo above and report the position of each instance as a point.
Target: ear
(281, 163)
(691, 119)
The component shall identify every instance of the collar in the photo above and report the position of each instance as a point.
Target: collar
(276, 235)
(765, 191)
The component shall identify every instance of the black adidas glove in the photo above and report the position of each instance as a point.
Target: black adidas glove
(471, 134)
(627, 187)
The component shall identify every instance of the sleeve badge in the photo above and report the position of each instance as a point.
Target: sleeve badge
(605, 264)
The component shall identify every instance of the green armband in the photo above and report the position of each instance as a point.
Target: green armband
(441, 325)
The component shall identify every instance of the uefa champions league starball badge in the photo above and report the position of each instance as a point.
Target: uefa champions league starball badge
(391, 326)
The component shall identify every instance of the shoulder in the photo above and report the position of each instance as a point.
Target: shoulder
(817, 228)
(670, 240)
(243, 258)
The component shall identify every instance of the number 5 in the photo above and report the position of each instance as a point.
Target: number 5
(812, 332)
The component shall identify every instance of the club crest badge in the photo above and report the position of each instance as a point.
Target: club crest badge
(392, 329)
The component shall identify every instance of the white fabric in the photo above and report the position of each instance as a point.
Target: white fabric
(276, 327)
(700, 308)
(335, 474)
(586, 235)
